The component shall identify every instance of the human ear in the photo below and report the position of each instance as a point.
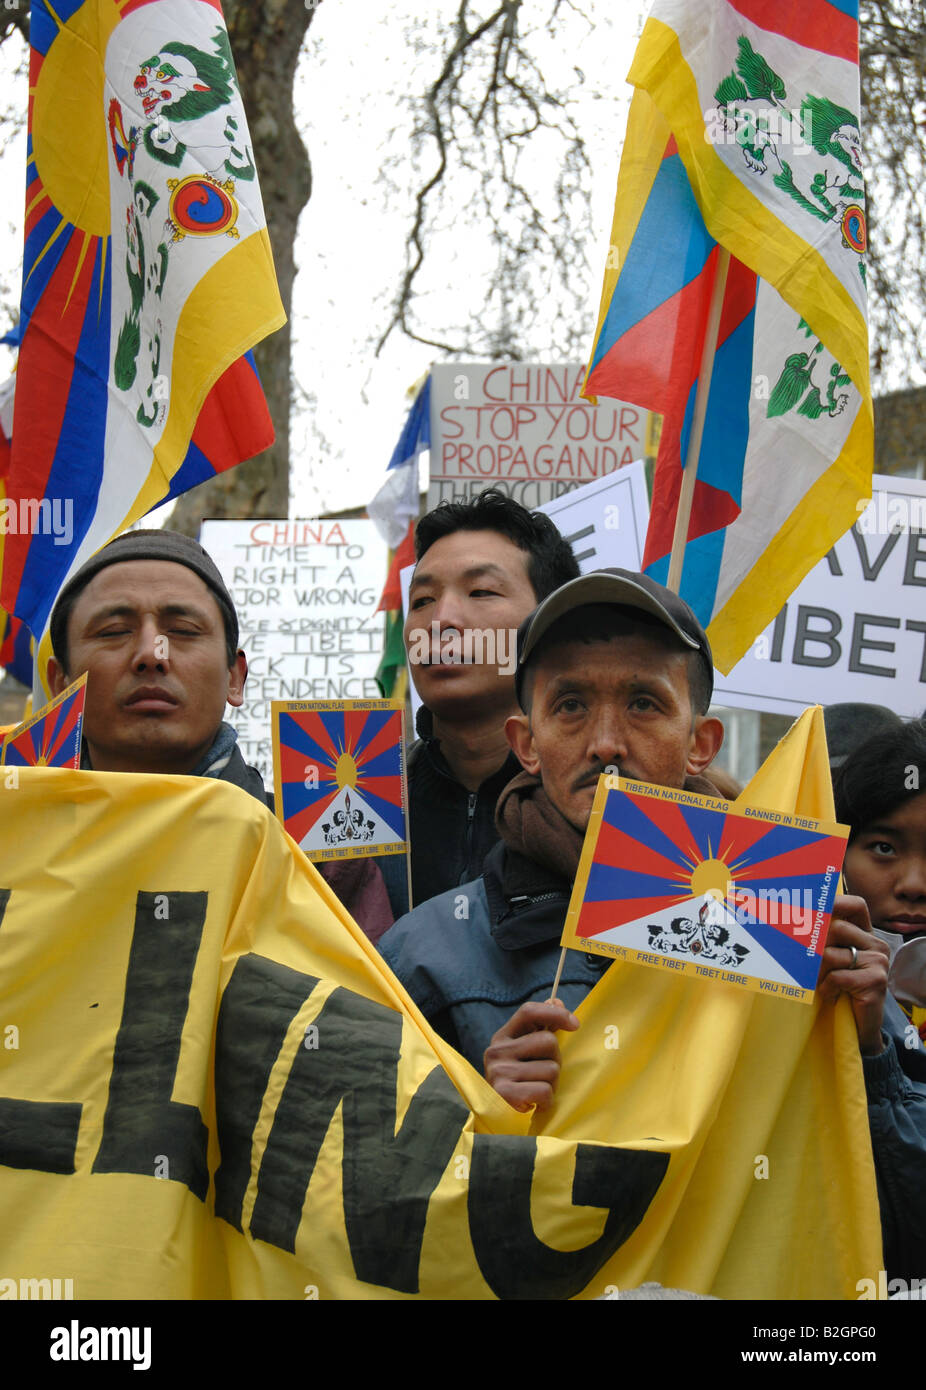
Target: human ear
(237, 675)
(57, 676)
(519, 734)
(706, 738)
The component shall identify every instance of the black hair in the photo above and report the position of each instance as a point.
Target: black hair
(65, 605)
(550, 559)
(882, 773)
(599, 622)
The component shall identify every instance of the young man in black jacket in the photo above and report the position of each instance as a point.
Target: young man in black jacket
(481, 567)
(614, 672)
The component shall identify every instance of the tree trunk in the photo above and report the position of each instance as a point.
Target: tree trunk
(266, 39)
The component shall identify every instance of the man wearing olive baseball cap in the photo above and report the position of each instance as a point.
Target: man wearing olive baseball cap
(614, 674)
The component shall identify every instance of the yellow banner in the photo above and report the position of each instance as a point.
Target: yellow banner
(212, 1087)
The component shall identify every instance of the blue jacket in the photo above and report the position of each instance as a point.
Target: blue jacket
(895, 1085)
(470, 957)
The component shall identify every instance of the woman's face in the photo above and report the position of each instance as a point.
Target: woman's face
(886, 865)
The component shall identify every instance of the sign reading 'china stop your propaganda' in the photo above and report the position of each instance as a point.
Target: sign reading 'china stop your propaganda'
(524, 428)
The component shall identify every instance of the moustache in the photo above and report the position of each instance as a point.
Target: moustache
(590, 779)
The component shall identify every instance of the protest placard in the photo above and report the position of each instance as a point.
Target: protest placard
(339, 775)
(523, 427)
(854, 629)
(306, 594)
(692, 884)
(51, 738)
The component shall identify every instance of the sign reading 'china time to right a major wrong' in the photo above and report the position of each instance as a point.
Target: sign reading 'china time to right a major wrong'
(524, 428)
(307, 596)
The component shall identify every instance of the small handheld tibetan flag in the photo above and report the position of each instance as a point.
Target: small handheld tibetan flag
(693, 884)
(50, 738)
(339, 776)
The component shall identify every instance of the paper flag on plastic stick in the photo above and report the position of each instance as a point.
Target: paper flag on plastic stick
(689, 883)
(51, 738)
(339, 776)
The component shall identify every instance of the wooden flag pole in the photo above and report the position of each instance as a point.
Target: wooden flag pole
(559, 971)
(693, 453)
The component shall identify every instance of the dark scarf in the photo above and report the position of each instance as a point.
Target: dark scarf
(536, 834)
(534, 829)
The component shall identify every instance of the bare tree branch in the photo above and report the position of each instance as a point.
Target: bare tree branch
(479, 116)
(893, 76)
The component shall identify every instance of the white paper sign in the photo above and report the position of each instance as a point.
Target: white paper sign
(855, 629)
(523, 428)
(306, 594)
(605, 521)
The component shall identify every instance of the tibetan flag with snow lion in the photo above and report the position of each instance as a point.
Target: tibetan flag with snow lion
(147, 277)
(673, 879)
(339, 774)
(744, 134)
(212, 1086)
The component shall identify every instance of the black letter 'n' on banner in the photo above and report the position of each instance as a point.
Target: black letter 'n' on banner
(260, 1002)
(514, 1263)
(142, 1123)
(33, 1133)
(388, 1177)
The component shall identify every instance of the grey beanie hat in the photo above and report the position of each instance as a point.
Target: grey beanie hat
(144, 545)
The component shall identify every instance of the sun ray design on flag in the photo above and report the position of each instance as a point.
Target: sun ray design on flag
(356, 753)
(651, 856)
(128, 389)
(52, 737)
(67, 266)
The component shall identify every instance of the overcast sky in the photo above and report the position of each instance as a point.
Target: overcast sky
(362, 61)
(354, 116)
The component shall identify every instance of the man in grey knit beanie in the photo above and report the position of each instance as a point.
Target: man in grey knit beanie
(150, 620)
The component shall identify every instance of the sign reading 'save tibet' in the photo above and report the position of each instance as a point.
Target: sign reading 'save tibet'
(855, 628)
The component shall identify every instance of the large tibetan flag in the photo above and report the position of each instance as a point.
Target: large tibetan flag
(686, 882)
(147, 277)
(744, 134)
(15, 648)
(340, 778)
(394, 511)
